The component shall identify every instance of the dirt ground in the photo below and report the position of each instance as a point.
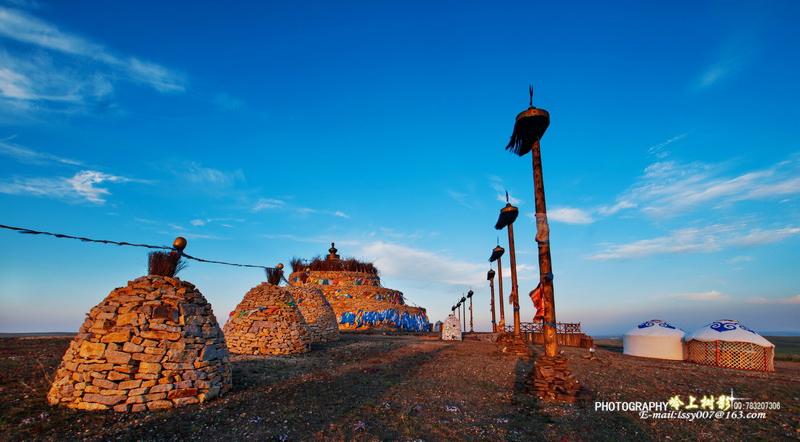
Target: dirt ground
(406, 387)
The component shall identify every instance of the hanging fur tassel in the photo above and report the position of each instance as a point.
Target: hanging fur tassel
(497, 252)
(529, 128)
(508, 215)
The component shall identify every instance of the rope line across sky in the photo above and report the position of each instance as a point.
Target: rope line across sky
(123, 243)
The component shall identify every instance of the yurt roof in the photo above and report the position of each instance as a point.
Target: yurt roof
(728, 330)
(656, 327)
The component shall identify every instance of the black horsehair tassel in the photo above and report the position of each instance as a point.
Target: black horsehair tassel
(527, 130)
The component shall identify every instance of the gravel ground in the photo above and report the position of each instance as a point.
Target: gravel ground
(406, 387)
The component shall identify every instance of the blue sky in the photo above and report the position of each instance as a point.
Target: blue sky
(267, 130)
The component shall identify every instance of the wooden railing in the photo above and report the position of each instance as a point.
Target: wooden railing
(536, 327)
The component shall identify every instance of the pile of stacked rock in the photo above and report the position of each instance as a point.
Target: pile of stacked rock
(317, 313)
(267, 322)
(357, 297)
(451, 329)
(153, 344)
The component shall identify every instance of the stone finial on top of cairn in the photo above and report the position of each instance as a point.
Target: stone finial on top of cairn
(153, 344)
(332, 256)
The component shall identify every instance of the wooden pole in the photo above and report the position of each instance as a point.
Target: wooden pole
(494, 324)
(470, 314)
(545, 264)
(514, 288)
(502, 325)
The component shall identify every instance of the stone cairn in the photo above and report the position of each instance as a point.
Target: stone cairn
(451, 329)
(357, 297)
(153, 344)
(317, 312)
(267, 322)
(551, 380)
(514, 345)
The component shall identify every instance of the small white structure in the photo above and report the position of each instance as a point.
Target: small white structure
(437, 328)
(727, 343)
(655, 339)
(451, 329)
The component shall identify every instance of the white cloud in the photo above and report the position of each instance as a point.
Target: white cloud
(697, 240)
(658, 149)
(761, 300)
(267, 204)
(741, 259)
(26, 155)
(669, 188)
(605, 210)
(60, 67)
(81, 186)
(398, 261)
(196, 173)
(711, 295)
(461, 198)
(273, 204)
(568, 215)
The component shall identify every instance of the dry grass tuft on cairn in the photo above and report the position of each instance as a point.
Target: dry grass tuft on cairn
(153, 344)
(267, 322)
(165, 264)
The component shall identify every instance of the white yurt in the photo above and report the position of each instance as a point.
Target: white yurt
(655, 339)
(727, 343)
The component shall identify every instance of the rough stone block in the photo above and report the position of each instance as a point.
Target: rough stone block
(148, 367)
(160, 404)
(116, 337)
(105, 400)
(91, 350)
(117, 357)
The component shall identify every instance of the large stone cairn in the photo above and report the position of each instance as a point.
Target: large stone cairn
(153, 344)
(317, 312)
(267, 322)
(350, 292)
(451, 329)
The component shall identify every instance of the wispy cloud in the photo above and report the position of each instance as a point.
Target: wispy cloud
(736, 259)
(461, 198)
(669, 189)
(60, 67)
(697, 240)
(658, 149)
(568, 215)
(196, 173)
(30, 156)
(414, 264)
(733, 57)
(761, 300)
(711, 295)
(274, 204)
(83, 186)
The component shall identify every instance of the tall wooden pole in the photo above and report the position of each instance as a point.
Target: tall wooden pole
(470, 315)
(514, 287)
(502, 325)
(490, 277)
(545, 264)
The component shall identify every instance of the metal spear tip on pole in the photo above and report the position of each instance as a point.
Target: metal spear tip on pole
(179, 244)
